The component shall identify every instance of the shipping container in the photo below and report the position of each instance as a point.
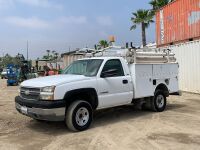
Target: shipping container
(177, 22)
(188, 57)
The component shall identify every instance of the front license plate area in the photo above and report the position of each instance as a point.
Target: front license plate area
(24, 110)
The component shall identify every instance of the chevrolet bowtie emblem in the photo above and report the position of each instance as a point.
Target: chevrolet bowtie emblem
(27, 92)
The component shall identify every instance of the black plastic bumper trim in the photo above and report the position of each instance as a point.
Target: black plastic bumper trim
(40, 103)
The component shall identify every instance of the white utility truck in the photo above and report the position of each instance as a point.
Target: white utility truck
(110, 77)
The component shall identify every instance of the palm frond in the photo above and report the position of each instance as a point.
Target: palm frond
(157, 4)
(133, 27)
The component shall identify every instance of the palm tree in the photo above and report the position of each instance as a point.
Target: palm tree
(143, 18)
(48, 52)
(157, 4)
(56, 55)
(103, 44)
(53, 54)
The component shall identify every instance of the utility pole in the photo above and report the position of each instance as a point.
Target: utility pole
(27, 51)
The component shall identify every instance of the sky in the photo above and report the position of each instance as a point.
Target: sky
(62, 24)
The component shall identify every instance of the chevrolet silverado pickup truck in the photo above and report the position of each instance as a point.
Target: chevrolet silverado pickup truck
(95, 83)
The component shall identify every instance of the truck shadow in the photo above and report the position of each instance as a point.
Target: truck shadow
(174, 106)
(101, 118)
(127, 113)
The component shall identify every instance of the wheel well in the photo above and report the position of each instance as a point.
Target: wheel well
(86, 94)
(163, 88)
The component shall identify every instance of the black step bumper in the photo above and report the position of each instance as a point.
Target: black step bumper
(41, 110)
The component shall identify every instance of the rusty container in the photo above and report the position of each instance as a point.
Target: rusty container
(177, 22)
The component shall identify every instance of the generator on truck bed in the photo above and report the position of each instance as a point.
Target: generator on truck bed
(107, 78)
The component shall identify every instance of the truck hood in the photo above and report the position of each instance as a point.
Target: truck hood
(53, 80)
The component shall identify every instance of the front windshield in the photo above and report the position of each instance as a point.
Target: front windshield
(87, 67)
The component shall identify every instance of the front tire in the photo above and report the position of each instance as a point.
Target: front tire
(158, 102)
(79, 116)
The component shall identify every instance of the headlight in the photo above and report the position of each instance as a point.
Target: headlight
(48, 89)
(48, 96)
(47, 93)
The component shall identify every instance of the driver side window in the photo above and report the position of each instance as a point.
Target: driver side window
(114, 64)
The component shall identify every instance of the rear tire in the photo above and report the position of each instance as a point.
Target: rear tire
(158, 102)
(79, 116)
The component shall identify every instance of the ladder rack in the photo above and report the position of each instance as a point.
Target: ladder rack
(133, 55)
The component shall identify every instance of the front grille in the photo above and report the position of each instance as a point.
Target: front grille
(31, 97)
(35, 90)
(30, 93)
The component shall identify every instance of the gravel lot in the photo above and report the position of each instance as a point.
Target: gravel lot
(118, 128)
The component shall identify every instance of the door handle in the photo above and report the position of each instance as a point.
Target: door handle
(125, 81)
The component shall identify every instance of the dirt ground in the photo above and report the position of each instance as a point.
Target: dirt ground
(121, 128)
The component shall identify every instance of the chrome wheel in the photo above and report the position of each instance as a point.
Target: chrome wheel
(82, 116)
(160, 101)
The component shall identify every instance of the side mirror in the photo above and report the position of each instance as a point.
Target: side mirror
(109, 73)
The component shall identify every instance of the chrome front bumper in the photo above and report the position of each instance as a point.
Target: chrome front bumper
(52, 114)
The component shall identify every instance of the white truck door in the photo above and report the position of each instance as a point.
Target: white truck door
(114, 87)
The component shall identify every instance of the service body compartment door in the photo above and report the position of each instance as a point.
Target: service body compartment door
(142, 80)
(167, 74)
